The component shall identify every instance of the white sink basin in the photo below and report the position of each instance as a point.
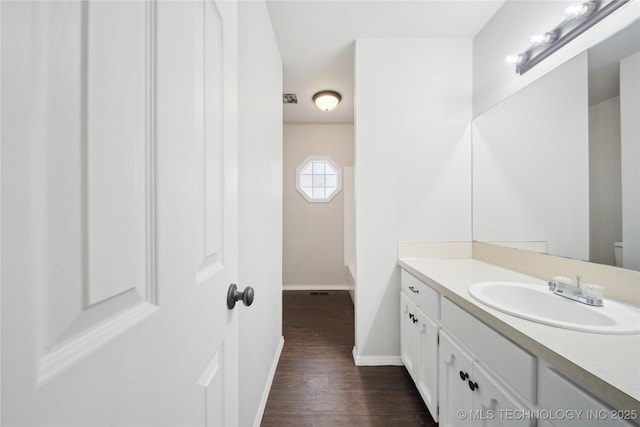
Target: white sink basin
(537, 303)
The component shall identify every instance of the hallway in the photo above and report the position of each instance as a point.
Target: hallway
(316, 382)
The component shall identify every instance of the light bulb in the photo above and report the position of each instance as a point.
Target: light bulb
(517, 59)
(580, 10)
(550, 37)
(536, 39)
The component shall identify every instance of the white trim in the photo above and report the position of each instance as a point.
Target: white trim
(1, 284)
(267, 388)
(151, 158)
(211, 369)
(376, 360)
(329, 287)
(68, 354)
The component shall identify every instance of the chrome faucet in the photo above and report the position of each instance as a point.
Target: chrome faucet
(587, 294)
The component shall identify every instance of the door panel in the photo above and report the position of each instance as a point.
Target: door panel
(118, 170)
(410, 339)
(114, 153)
(491, 398)
(455, 370)
(428, 364)
(212, 379)
(88, 193)
(210, 142)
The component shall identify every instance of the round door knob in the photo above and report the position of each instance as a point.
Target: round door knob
(234, 295)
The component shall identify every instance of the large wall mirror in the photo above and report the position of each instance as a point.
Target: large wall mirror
(556, 166)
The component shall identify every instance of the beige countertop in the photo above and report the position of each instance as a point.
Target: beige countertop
(606, 365)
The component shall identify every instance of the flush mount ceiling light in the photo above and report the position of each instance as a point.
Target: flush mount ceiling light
(327, 100)
(577, 19)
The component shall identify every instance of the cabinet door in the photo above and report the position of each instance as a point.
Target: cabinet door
(566, 404)
(427, 382)
(410, 345)
(453, 389)
(494, 405)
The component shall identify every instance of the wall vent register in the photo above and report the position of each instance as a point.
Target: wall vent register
(318, 179)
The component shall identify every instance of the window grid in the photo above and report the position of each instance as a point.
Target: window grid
(318, 180)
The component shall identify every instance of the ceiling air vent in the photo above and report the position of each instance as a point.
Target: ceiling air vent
(289, 98)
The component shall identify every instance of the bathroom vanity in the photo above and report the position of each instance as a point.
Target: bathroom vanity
(474, 365)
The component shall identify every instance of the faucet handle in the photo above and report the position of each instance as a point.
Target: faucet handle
(562, 280)
(592, 291)
(578, 278)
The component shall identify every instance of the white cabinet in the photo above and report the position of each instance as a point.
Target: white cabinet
(409, 339)
(562, 403)
(500, 405)
(470, 396)
(455, 370)
(516, 366)
(419, 338)
(456, 384)
(427, 379)
(471, 375)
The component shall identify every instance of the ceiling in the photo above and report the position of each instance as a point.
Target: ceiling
(316, 39)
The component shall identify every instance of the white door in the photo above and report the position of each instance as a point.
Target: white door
(427, 382)
(119, 231)
(499, 406)
(410, 346)
(454, 394)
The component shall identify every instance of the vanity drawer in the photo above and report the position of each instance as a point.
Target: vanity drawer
(513, 364)
(421, 294)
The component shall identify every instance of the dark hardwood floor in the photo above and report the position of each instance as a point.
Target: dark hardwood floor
(316, 382)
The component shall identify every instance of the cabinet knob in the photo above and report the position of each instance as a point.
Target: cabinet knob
(464, 376)
(473, 385)
(411, 316)
(415, 320)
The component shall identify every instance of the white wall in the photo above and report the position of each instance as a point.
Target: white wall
(313, 245)
(412, 171)
(260, 205)
(531, 165)
(508, 33)
(630, 148)
(605, 193)
(350, 228)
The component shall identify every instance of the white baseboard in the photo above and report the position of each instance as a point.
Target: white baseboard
(315, 287)
(376, 360)
(267, 388)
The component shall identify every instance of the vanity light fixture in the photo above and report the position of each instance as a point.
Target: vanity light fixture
(327, 100)
(580, 10)
(576, 20)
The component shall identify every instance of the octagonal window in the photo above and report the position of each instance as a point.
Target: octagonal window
(318, 179)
